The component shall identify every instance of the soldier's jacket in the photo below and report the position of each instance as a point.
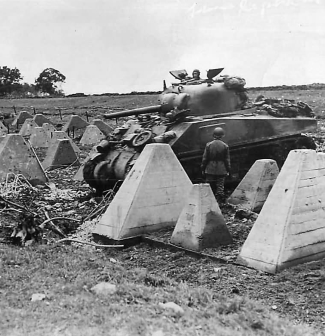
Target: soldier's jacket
(216, 158)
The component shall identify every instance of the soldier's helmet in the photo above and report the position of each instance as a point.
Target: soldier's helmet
(218, 132)
(196, 70)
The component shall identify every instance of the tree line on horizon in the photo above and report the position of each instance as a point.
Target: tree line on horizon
(49, 80)
(47, 83)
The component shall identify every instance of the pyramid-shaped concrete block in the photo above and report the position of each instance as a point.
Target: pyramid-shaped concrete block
(16, 156)
(150, 198)
(290, 228)
(39, 138)
(3, 129)
(21, 117)
(59, 135)
(74, 122)
(28, 127)
(49, 129)
(40, 119)
(60, 154)
(252, 191)
(201, 223)
(104, 128)
(79, 176)
(92, 135)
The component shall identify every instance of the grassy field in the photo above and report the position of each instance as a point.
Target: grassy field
(93, 105)
(97, 105)
(238, 302)
(65, 276)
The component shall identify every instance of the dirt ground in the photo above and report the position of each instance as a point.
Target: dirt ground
(297, 293)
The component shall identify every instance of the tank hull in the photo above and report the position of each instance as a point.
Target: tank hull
(250, 137)
(240, 130)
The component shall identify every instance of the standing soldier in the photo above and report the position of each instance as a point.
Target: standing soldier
(216, 164)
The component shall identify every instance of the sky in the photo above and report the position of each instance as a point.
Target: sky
(131, 45)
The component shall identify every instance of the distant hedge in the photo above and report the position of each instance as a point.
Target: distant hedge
(288, 87)
(257, 88)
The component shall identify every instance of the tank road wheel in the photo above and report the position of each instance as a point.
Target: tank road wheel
(305, 142)
(88, 172)
(92, 175)
(142, 139)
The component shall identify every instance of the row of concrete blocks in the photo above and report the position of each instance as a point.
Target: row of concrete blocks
(288, 231)
(41, 137)
(94, 132)
(17, 156)
(157, 193)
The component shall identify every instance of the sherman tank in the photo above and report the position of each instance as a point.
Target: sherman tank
(187, 113)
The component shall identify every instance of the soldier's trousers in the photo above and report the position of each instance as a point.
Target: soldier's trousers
(217, 183)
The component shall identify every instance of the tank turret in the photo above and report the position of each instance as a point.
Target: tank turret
(200, 97)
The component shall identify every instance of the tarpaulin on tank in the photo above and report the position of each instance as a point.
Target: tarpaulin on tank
(234, 82)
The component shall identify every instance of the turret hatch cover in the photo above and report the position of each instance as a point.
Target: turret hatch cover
(179, 74)
(211, 73)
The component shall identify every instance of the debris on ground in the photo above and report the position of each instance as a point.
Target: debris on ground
(38, 297)
(173, 307)
(39, 214)
(104, 288)
(245, 214)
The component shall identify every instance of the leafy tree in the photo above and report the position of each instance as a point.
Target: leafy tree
(9, 80)
(28, 89)
(48, 79)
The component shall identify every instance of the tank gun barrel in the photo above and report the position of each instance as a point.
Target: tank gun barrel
(137, 111)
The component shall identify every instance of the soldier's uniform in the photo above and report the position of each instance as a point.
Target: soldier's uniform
(216, 164)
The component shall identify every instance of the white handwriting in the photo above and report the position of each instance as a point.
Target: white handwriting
(256, 6)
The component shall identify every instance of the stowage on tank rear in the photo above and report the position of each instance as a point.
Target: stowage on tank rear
(185, 119)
